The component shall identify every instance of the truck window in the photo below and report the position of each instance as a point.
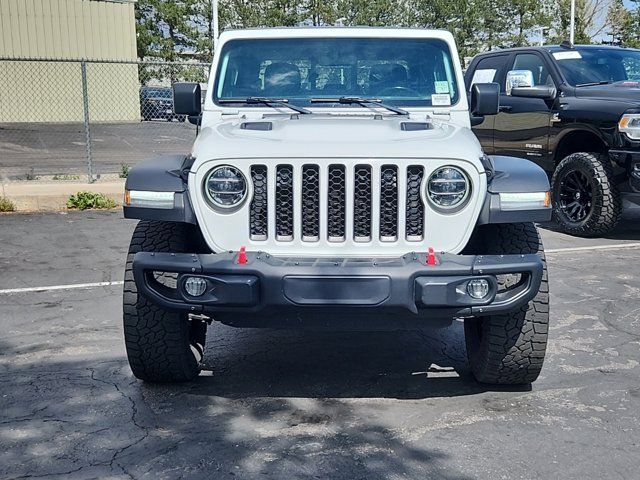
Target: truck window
(490, 69)
(535, 64)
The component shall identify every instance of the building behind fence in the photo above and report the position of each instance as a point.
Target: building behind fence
(74, 99)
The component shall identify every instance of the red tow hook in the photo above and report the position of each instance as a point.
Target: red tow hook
(431, 257)
(242, 256)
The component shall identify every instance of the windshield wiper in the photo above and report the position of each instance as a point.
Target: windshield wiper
(269, 102)
(360, 101)
(593, 84)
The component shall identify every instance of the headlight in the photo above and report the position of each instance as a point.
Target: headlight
(630, 124)
(448, 189)
(225, 187)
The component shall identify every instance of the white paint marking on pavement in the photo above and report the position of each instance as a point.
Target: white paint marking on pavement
(59, 287)
(593, 247)
(110, 284)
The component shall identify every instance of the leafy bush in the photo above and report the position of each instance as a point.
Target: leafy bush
(65, 177)
(124, 170)
(86, 200)
(6, 205)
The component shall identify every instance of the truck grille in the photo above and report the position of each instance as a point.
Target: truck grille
(337, 203)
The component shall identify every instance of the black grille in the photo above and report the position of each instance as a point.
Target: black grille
(415, 208)
(362, 203)
(258, 208)
(389, 203)
(284, 202)
(310, 202)
(336, 202)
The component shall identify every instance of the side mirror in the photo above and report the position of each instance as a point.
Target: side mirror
(485, 98)
(187, 99)
(519, 78)
(544, 92)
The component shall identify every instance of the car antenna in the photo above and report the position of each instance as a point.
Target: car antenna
(567, 44)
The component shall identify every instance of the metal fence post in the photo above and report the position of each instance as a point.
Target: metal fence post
(87, 129)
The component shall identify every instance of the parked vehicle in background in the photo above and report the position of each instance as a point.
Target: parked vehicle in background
(575, 111)
(157, 103)
(335, 183)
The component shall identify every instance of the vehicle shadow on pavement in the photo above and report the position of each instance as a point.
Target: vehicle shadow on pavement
(304, 364)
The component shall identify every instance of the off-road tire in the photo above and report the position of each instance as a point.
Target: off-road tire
(607, 206)
(509, 349)
(162, 346)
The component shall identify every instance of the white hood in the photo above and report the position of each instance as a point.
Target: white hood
(335, 136)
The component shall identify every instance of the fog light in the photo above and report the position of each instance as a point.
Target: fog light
(478, 288)
(195, 286)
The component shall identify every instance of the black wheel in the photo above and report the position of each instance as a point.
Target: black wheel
(161, 346)
(585, 200)
(509, 349)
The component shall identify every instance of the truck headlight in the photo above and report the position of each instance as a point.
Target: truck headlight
(630, 124)
(448, 189)
(225, 187)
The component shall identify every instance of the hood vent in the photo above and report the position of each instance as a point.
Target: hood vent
(259, 126)
(415, 126)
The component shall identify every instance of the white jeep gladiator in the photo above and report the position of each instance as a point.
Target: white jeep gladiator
(336, 183)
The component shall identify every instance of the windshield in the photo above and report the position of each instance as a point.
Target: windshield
(589, 66)
(407, 72)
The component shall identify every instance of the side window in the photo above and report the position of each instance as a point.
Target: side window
(490, 69)
(534, 64)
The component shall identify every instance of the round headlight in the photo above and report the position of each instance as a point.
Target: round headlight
(448, 188)
(225, 186)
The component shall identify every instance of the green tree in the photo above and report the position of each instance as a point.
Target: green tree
(165, 29)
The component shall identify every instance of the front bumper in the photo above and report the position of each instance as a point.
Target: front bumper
(267, 285)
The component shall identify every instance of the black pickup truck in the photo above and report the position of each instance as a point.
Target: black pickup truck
(575, 111)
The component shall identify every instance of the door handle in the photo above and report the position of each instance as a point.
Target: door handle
(505, 108)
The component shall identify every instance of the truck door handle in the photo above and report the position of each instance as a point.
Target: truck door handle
(505, 108)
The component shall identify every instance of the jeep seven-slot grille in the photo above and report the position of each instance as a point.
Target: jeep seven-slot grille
(370, 193)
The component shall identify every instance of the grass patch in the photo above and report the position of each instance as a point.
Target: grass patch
(124, 170)
(87, 200)
(6, 205)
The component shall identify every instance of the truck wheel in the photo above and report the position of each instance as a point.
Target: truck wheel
(585, 200)
(162, 346)
(509, 349)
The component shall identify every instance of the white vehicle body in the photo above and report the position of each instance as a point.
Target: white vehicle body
(350, 137)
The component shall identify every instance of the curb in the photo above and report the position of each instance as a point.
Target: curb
(52, 197)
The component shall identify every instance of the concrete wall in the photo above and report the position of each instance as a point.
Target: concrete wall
(37, 91)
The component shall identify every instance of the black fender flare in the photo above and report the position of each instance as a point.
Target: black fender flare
(166, 173)
(512, 175)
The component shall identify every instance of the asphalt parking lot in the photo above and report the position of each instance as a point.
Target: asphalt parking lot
(293, 405)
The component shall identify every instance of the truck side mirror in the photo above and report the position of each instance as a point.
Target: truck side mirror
(187, 99)
(485, 98)
(518, 79)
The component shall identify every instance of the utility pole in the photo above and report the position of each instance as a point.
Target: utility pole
(216, 26)
(572, 27)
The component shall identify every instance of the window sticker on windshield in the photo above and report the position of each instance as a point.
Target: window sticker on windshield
(570, 55)
(442, 86)
(484, 76)
(440, 99)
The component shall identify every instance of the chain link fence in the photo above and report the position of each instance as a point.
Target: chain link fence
(73, 120)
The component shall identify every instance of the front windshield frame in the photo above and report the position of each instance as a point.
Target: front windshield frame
(604, 57)
(444, 71)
